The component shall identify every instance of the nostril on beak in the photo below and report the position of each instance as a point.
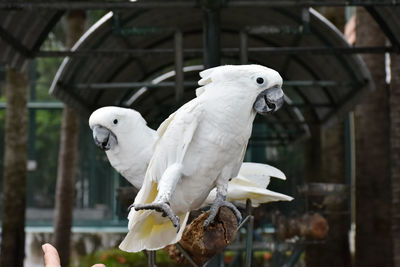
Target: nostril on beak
(272, 106)
(104, 144)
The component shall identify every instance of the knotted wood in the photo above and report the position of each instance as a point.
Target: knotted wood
(202, 244)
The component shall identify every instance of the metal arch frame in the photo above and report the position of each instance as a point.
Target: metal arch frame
(226, 52)
(15, 43)
(325, 90)
(94, 27)
(167, 38)
(384, 27)
(159, 4)
(171, 96)
(296, 89)
(358, 92)
(49, 26)
(125, 20)
(161, 81)
(341, 101)
(195, 32)
(273, 125)
(67, 60)
(25, 51)
(122, 66)
(62, 6)
(322, 38)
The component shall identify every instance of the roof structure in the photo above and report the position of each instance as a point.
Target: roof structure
(22, 32)
(326, 85)
(147, 54)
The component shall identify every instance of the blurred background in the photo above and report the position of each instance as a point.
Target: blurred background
(337, 137)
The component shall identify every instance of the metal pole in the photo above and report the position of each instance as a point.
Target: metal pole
(186, 255)
(212, 51)
(114, 5)
(151, 258)
(249, 235)
(178, 66)
(211, 37)
(130, 85)
(243, 47)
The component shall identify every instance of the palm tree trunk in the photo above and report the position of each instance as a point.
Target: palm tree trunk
(15, 172)
(67, 158)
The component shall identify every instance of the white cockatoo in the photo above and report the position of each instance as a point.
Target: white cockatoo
(200, 146)
(128, 143)
(127, 140)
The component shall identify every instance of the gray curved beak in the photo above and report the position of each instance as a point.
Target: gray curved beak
(104, 138)
(269, 100)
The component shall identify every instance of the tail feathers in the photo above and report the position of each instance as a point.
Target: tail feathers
(240, 189)
(150, 231)
(260, 173)
(239, 194)
(266, 196)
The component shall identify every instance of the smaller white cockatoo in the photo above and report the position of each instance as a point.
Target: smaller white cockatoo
(128, 143)
(200, 146)
(127, 140)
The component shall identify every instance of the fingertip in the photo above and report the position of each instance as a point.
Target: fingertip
(51, 257)
(44, 247)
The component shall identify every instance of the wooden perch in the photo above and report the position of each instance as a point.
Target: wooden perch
(202, 244)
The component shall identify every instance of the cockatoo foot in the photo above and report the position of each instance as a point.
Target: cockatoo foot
(220, 202)
(162, 207)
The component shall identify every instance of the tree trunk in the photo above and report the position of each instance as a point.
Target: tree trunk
(15, 172)
(395, 154)
(67, 158)
(373, 186)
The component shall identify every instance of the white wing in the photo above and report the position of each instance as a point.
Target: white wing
(148, 229)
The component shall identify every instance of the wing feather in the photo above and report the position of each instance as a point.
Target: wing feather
(148, 229)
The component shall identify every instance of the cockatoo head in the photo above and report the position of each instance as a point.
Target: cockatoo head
(262, 82)
(112, 125)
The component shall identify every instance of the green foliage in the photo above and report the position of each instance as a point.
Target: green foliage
(46, 141)
(119, 258)
(94, 16)
(46, 70)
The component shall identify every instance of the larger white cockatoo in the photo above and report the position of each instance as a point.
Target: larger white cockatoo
(128, 143)
(200, 146)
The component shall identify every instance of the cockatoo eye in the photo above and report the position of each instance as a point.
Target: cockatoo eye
(260, 80)
(115, 121)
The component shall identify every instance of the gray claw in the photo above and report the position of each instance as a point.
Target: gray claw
(165, 210)
(221, 202)
(131, 206)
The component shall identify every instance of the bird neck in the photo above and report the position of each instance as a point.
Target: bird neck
(133, 153)
(232, 103)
